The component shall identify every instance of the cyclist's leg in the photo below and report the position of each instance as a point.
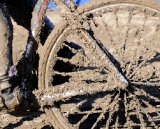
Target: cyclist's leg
(21, 11)
(8, 93)
(6, 33)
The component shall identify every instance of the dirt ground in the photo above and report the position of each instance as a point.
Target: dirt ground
(134, 44)
(33, 120)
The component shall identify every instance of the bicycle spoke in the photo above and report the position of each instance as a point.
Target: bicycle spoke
(128, 120)
(147, 94)
(113, 108)
(127, 31)
(147, 83)
(91, 75)
(86, 116)
(101, 116)
(107, 30)
(141, 64)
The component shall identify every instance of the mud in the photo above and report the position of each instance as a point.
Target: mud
(32, 120)
(124, 43)
(129, 37)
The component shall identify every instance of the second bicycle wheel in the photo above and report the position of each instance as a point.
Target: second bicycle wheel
(130, 32)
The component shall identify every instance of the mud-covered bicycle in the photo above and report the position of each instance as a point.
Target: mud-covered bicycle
(99, 68)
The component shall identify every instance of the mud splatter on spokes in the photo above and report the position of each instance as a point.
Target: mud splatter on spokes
(105, 68)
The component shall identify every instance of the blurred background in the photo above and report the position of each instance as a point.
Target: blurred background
(52, 6)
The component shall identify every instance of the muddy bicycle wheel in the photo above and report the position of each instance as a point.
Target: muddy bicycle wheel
(126, 33)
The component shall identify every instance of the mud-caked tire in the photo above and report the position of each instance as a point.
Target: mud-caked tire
(119, 108)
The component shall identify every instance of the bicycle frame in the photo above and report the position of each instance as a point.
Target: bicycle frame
(39, 10)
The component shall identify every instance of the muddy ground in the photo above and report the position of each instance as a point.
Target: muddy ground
(129, 39)
(32, 120)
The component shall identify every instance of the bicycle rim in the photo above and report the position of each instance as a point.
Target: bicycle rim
(129, 30)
